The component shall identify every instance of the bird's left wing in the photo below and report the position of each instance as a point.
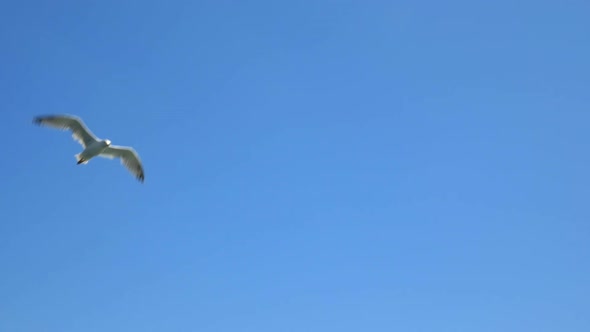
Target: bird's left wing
(129, 159)
(68, 122)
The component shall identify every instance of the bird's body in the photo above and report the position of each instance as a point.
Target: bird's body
(92, 150)
(93, 146)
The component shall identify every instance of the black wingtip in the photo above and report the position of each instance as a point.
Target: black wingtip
(40, 118)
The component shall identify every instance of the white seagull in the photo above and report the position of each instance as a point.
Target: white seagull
(93, 146)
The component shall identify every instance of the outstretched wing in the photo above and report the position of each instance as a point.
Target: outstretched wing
(129, 159)
(68, 122)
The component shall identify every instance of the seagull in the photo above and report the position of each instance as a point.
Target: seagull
(93, 146)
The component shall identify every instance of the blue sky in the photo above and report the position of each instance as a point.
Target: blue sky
(310, 166)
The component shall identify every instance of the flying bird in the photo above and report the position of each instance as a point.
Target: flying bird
(93, 146)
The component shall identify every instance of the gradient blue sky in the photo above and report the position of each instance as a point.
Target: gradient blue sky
(310, 166)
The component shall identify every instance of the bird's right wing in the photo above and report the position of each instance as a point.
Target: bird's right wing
(129, 159)
(68, 122)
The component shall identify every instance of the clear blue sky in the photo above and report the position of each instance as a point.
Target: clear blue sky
(310, 166)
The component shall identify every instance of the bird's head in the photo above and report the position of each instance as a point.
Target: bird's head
(107, 142)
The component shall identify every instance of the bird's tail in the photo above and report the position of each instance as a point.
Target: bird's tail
(79, 157)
